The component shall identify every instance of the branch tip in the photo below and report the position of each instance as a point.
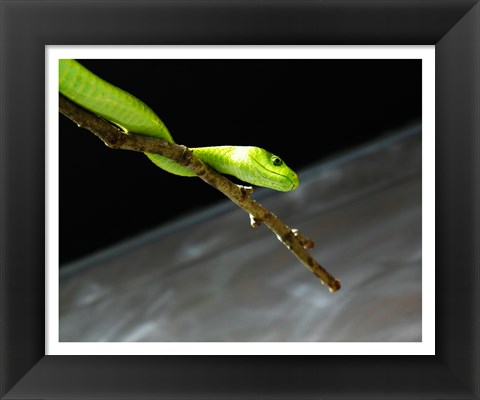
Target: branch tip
(335, 286)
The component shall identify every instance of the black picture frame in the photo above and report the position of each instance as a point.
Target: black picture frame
(28, 26)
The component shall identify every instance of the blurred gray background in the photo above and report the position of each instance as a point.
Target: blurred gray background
(209, 276)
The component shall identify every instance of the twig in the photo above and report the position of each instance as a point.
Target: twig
(115, 138)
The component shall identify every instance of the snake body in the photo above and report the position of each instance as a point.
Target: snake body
(250, 164)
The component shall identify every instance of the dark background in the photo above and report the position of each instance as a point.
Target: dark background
(303, 110)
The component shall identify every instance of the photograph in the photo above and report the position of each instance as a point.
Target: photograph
(149, 253)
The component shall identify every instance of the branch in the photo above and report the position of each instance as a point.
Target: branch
(115, 138)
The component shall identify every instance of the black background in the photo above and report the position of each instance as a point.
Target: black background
(303, 110)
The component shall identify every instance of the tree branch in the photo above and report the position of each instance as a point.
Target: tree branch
(115, 138)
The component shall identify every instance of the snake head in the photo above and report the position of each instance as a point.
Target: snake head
(271, 171)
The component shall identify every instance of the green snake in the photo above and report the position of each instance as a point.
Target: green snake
(250, 164)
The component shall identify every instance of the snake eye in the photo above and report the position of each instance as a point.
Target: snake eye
(276, 160)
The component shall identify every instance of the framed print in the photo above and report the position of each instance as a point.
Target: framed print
(233, 311)
(208, 55)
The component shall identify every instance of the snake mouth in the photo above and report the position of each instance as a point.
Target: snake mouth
(293, 185)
